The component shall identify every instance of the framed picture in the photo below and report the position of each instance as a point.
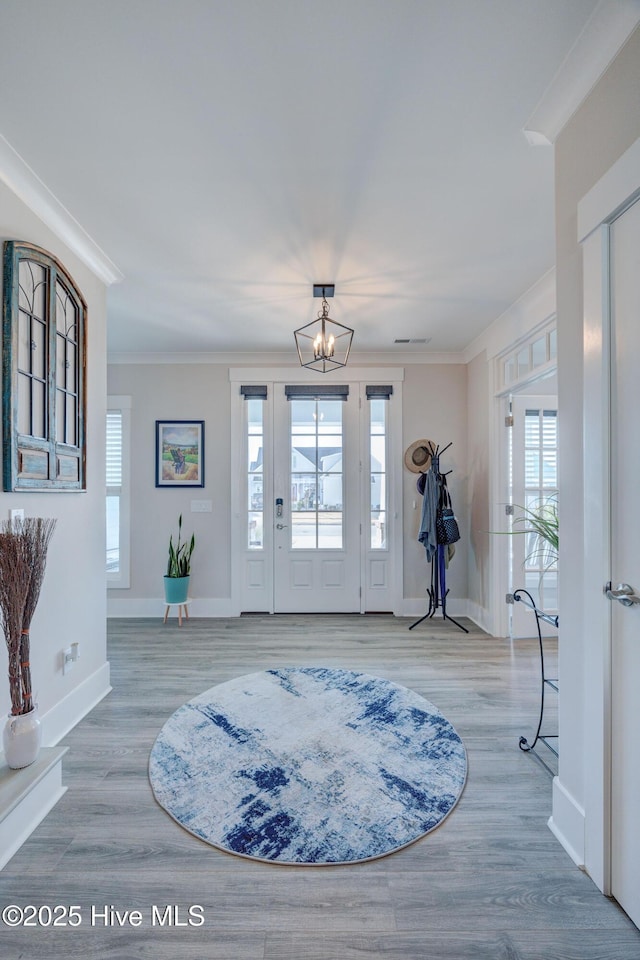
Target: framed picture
(179, 453)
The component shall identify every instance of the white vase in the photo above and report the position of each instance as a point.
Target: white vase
(22, 737)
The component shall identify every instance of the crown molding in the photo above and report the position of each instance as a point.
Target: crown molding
(27, 185)
(266, 359)
(608, 28)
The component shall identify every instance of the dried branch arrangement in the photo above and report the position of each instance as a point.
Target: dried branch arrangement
(23, 557)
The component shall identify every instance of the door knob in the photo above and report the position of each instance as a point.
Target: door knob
(623, 593)
(281, 526)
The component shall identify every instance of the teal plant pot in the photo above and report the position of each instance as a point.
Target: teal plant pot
(176, 589)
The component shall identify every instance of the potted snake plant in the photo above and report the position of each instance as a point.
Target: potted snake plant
(176, 581)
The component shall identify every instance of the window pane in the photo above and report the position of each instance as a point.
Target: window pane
(378, 492)
(113, 533)
(377, 469)
(316, 480)
(378, 454)
(303, 492)
(254, 409)
(114, 448)
(523, 362)
(39, 422)
(254, 415)
(256, 532)
(38, 347)
(72, 436)
(550, 469)
(60, 416)
(553, 345)
(24, 404)
(331, 456)
(539, 351)
(61, 378)
(71, 366)
(378, 416)
(509, 370)
(303, 531)
(378, 531)
(24, 342)
(330, 491)
(532, 468)
(330, 530)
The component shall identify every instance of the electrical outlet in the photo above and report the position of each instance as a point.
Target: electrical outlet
(69, 657)
(16, 514)
(67, 660)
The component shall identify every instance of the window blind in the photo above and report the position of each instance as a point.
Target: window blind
(330, 391)
(254, 390)
(379, 390)
(114, 448)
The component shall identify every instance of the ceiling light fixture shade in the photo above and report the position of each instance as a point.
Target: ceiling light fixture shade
(323, 344)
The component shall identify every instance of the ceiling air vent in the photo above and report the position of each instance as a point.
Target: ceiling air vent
(415, 340)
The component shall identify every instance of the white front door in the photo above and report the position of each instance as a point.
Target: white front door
(625, 559)
(316, 504)
(316, 494)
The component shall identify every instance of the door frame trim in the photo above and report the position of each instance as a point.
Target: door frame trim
(604, 203)
(282, 374)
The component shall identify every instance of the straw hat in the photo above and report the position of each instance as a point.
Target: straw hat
(417, 457)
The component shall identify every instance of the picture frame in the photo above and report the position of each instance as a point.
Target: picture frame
(179, 453)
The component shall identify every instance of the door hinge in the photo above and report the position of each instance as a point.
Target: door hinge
(509, 509)
(508, 421)
(509, 598)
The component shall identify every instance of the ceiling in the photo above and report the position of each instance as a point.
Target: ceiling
(227, 154)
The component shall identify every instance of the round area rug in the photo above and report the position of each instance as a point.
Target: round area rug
(308, 766)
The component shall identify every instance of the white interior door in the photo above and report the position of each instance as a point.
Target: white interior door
(625, 559)
(317, 548)
(534, 482)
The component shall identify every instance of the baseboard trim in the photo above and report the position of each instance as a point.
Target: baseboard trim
(480, 616)
(60, 719)
(567, 823)
(154, 607)
(26, 797)
(412, 607)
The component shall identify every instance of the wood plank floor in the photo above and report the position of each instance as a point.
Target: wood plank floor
(491, 882)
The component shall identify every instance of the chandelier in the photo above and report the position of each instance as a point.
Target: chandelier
(323, 344)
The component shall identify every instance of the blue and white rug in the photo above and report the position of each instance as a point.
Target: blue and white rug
(308, 766)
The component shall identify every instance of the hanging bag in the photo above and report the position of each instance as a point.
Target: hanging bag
(446, 523)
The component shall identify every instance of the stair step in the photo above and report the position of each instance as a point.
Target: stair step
(26, 797)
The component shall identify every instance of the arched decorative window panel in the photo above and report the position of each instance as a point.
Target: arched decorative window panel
(43, 373)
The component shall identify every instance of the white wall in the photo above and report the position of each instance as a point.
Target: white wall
(606, 124)
(177, 392)
(479, 486)
(72, 602)
(488, 581)
(434, 407)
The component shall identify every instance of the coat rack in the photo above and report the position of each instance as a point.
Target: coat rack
(437, 590)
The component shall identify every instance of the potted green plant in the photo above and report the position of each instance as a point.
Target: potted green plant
(541, 520)
(176, 581)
